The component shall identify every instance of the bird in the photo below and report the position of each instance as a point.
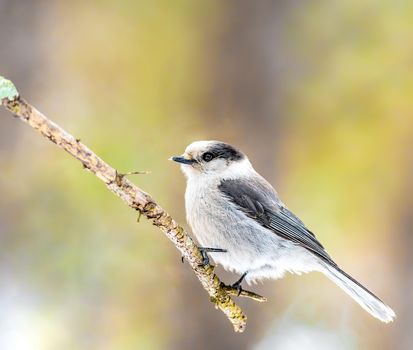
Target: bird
(238, 219)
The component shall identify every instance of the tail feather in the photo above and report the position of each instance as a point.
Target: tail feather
(366, 299)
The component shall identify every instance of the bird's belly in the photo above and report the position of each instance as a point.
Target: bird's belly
(249, 245)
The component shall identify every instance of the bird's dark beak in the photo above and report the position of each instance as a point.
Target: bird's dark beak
(182, 160)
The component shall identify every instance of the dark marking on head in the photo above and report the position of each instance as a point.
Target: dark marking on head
(225, 151)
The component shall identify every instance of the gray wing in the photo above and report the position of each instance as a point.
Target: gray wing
(257, 199)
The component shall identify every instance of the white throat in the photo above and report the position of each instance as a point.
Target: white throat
(242, 168)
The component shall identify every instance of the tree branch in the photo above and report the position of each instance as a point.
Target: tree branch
(135, 198)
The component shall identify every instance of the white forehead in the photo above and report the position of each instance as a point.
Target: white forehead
(198, 146)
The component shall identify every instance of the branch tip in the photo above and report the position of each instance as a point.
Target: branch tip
(7, 90)
(244, 293)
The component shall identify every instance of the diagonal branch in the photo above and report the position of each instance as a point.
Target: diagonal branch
(135, 198)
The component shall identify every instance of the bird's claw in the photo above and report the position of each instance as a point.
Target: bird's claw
(237, 284)
(238, 287)
(205, 257)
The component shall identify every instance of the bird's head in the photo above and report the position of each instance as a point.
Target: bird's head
(212, 158)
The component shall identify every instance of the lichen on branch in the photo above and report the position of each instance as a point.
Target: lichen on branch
(7, 90)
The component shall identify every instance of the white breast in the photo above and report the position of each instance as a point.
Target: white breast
(198, 205)
(217, 224)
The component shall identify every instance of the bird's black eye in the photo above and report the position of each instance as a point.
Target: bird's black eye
(208, 156)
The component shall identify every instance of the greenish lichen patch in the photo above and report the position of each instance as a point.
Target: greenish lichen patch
(7, 90)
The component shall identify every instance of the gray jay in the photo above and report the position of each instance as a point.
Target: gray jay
(238, 218)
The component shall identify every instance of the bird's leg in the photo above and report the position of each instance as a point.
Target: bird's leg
(237, 284)
(204, 251)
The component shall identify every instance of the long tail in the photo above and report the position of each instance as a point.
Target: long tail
(367, 300)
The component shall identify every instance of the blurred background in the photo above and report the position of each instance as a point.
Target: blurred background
(317, 93)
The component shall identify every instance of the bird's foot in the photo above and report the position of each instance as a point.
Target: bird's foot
(204, 251)
(237, 284)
